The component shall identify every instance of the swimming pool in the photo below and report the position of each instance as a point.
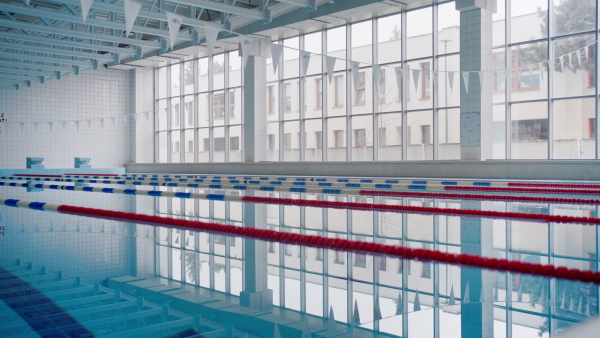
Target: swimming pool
(67, 274)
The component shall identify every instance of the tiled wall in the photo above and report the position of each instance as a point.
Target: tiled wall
(93, 94)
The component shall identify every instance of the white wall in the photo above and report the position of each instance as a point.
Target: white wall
(93, 94)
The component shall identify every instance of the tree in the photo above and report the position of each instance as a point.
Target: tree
(395, 34)
(570, 16)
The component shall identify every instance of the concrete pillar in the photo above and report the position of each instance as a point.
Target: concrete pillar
(255, 293)
(477, 313)
(475, 56)
(255, 103)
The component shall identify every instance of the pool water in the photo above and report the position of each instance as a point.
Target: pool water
(77, 276)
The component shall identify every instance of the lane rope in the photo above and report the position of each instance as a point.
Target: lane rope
(467, 260)
(326, 204)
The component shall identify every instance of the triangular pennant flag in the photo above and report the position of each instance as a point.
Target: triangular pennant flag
(354, 66)
(399, 74)
(434, 75)
(377, 310)
(519, 74)
(174, 22)
(331, 320)
(330, 63)
(50, 124)
(132, 9)
(177, 240)
(466, 296)
(114, 231)
(465, 78)
(399, 305)
(276, 333)
(562, 63)
(102, 123)
(355, 314)
(90, 228)
(27, 2)
(304, 60)
(305, 327)
(415, 75)
(78, 228)
(22, 125)
(451, 80)
(77, 125)
(572, 304)
(570, 60)
(113, 119)
(211, 33)
(148, 233)
(481, 79)
(147, 116)
(578, 54)
(64, 124)
(89, 123)
(85, 8)
(124, 117)
(246, 43)
(542, 69)
(520, 294)
(585, 53)
(542, 298)
(102, 229)
(135, 117)
(452, 299)
(187, 241)
(495, 294)
(276, 51)
(587, 311)
(417, 304)
(64, 228)
(51, 227)
(35, 125)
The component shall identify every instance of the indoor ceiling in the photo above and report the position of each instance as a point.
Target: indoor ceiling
(47, 39)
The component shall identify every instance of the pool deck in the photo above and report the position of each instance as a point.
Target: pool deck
(563, 170)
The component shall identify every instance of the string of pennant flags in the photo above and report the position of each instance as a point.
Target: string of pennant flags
(8, 125)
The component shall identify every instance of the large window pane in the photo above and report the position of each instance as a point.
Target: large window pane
(575, 74)
(162, 147)
(574, 129)
(176, 79)
(235, 69)
(419, 33)
(420, 85)
(449, 134)
(291, 141)
(203, 109)
(175, 147)
(362, 42)
(528, 20)
(336, 46)
(362, 138)
(336, 95)
(362, 94)
(235, 144)
(218, 71)
(219, 145)
(203, 145)
(314, 140)
(390, 137)
(273, 141)
(336, 139)
(291, 100)
(526, 81)
(189, 145)
(529, 131)
(389, 36)
(273, 101)
(188, 111)
(188, 77)
(203, 78)
(291, 58)
(312, 44)
(162, 115)
(449, 83)
(573, 16)
(420, 135)
(161, 82)
(449, 28)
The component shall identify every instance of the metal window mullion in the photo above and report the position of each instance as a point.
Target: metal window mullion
(195, 112)
(168, 146)
(597, 93)
(549, 103)
(349, 95)
(433, 84)
(227, 103)
(181, 127)
(376, 258)
(324, 99)
(210, 111)
(405, 89)
(325, 263)
(211, 244)
(436, 272)
(404, 265)
(507, 91)
(302, 249)
(375, 94)
(302, 96)
(280, 124)
(552, 287)
(281, 256)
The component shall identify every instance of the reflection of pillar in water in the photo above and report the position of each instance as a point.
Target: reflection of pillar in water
(477, 318)
(256, 293)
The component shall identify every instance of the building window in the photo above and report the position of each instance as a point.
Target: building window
(338, 257)
(382, 137)
(360, 137)
(219, 105)
(524, 75)
(234, 143)
(271, 142)
(319, 139)
(189, 112)
(287, 141)
(401, 263)
(339, 91)
(175, 146)
(175, 114)
(287, 249)
(319, 256)
(425, 80)
(271, 100)
(382, 263)
(271, 247)
(359, 90)
(190, 146)
(530, 130)
(338, 138)
(426, 134)
(319, 98)
(219, 144)
(360, 260)
(381, 86)
(592, 128)
(287, 99)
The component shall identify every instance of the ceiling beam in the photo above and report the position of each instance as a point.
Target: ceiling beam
(66, 43)
(226, 8)
(34, 66)
(56, 51)
(29, 57)
(44, 73)
(309, 5)
(78, 33)
(90, 21)
(143, 13)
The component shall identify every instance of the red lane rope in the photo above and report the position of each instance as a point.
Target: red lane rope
(28, 175)
(554, 185)
(345, 245)
(427, 210)
(481, 197)
(526, 190)
(80, 174)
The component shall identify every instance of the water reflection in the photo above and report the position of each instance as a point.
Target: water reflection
(240, 285)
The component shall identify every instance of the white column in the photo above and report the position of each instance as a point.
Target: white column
(476, 100)
(255, 103)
